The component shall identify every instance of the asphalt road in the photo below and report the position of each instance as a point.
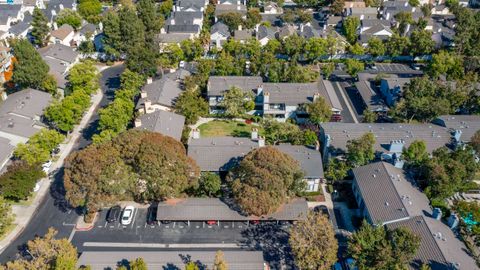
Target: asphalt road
(54, 211)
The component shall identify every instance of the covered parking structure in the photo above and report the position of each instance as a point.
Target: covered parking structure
(214, 209)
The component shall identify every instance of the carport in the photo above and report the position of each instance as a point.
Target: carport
(213, 209)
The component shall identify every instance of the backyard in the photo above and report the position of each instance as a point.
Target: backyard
(218, 128)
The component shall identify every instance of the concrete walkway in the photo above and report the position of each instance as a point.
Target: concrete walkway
(23, 214)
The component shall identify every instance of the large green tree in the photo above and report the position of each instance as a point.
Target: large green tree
(47, 253)
(313, 243)
(90, 10)
(18, 182)
(136, 165)
(70, 17)
(446, 64)
(39, 27)
(191, 105)
(232, 20)
(84, 76)
(132, 30)
(350, 25)
(264, 180)
(29, 70)
(354, 66)
(361, 151)
(376, 46)
(422, 42)
(236, 102)
(319, 111)
(416, 154)
(39, 147)
(375, 247)
(150, 17)
(6, 216)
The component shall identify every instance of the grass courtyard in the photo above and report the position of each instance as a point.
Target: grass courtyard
(218, 128)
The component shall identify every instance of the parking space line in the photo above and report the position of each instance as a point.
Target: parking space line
(134, 217)
(160, 245)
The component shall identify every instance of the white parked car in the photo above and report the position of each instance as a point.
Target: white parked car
(127, 215)
(46, 166)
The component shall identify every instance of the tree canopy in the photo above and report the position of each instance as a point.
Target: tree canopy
(191, 105)
(264, 180)
(18, 181)
(313, 243)
(39, 27)
(237, 102)
(39, 147)
(70, 17)
(136, 165)
(374, 247)
(6, 216)
(29, 70)
(360, 151)
(319, 111)
(90, 10)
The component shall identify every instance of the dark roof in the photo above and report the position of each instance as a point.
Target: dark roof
(467, 124)
(221, 28)
(266, 32)
(166, 123)
(196, 5)
(8, 11)
(172, 37)
(291, 93)
(433, 135)
(202, 209)
(309, 32)
(429, 252)
(309, 159)
(381, 199)
(219, 153)
(60, 52)
(164, 91)
(243, 34)
(226, 8)
(183, 17)
(370, 97)
(88, 28)
(217, 85)
(28, 103)
(183, 28)
(167, 259)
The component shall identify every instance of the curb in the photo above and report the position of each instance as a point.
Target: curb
(89, 227)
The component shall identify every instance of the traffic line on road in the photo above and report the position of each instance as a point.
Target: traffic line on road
(159, 245)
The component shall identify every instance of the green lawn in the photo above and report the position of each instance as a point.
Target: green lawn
(219, 128)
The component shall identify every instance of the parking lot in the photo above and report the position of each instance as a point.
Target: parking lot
(141, 231)
(392, 68)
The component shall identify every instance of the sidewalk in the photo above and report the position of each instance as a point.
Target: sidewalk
(23, 214)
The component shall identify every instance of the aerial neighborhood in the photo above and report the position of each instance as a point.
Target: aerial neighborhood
(239, 134)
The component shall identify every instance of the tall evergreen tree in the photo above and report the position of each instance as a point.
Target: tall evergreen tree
(150, 17)
(30, 70)
(39, 27)
(111, 29)
(132, 30)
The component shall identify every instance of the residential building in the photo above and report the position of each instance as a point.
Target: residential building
(307, 31)
(280, 100)
(237, 259)
(286, 31)
(53, 8)
(21, 114)
(60, 58)
(163, 122)
(6, 150)
(29, 5)
(243, 35)
(87, 32)
(354, 4)
(21, 28)
(10, 14)
(272, 8)
(220, 154)
(392, 88)
(190, 5)
(63, 35)
(387, 196)
(6, 66)
(229, 6)
(372, 100)
(363, 13)
(264, 34)
(219, 34)
(390, 138)
(164, 40)
(392, 8)
(374, 28)
(334, 21)
(159, 94)
(463, 127)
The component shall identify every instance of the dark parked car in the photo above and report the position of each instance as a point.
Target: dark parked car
(152, 215)
(114, 213)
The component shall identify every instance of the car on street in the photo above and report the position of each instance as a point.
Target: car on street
(46, 166)
(114, 213)
(127, 215)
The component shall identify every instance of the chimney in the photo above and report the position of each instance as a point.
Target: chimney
(316, 96)
(457, 135)
(301, 27)
(239, 27)
(195, 133)
(266, 97)
(149, 80)
(148, 106)
(138, 122)
(261, 141)
(254, 135)
(143, 94)
(260, 89)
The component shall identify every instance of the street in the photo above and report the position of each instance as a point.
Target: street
(54, 211)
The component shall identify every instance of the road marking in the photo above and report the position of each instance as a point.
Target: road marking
(71, 235)
(134, 217)
(159, 245)
(68, 224)
(106, 223)
(347, 102)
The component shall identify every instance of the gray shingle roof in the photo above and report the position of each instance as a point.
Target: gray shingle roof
(433, 135)
(220, 28)
(19, 126)
(166, 123)
(8, 11)
(203, 209)
(225, 8)
(6, 150)
(60, 52)
(183, 17)
(217, 85)
(243, 34)
(266, 32)
(309, 159)
(370, 97)
(161, 260)
(172, 37)
(291, 93)
(196, 5)
(28, 103)
(468, 124)
(164, 91)
(382, 201)
(183, 28)
(219, 153)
